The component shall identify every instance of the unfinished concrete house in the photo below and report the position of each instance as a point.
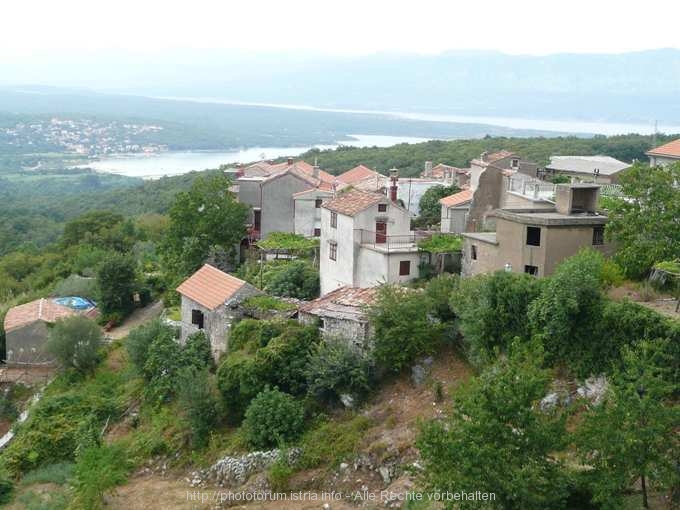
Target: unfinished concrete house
(595, 169)
(535, 241)
(211, 301)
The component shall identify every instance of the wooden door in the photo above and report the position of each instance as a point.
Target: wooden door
(380, 232)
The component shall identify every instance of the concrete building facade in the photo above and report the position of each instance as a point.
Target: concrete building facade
(595, 169)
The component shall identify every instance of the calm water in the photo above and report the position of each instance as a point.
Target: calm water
(150, 166)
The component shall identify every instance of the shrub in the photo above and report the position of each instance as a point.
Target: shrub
(239, 381)
(279, 475)
(403, 327)
(439, 290)
(74, 342)
(297, 279)
(164, 361)
(116, 276)
(198, 401)
(273, 418)
(6, 488)
(612, 274)
(58, 473)
(251, 334)
(197, 352)
(333, 442)
(492, 310)
(99, 469)
(335, 368)
(139, 340)
(75, 285)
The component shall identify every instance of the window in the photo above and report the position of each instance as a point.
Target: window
(317, 232)
(598, 236)
(333, 253)
(532, 270)
(257, 219)
(197, 318)
(473, 252)
(514, 163)
(334, 220)
(533, 236)
(382, 207)
(404, 267)
(317, 203)
(322, 324)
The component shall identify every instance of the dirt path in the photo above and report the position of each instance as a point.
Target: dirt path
(138, 317)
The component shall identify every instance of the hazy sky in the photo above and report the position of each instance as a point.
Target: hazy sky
(348, 27)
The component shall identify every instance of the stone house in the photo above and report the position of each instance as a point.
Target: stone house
(454, 211)
(27, 329)
(211, 301)
(596, 169)
(365, 241)
(447, 175)
(666, 154)
(341, 314)
(535, 241)
(502, 160)
(270, 190)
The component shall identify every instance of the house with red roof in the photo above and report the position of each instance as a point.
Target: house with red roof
(666, 154)
(211, 302)
(455, 211)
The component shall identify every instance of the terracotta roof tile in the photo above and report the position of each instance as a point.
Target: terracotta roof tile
(40, 309)
(671, 149)
(358, 173)
(210, 287)
(353, 202)
(457, 198)
(345, 301)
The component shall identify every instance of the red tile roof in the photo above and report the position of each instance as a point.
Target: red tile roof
(210, 287)
(358, 173)
(353, 201)
(457, 198)
(345, 301)
(671, 149)
(39, 310)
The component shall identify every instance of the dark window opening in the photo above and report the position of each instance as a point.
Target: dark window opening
(515, 163)
(473, 252)
(334, 220)
(257, 220)
(380, 232)
(317, 232)
(532, 270)
(197, 318)
(317, 203)
(382, 207)
(322, 324)
(333, 253)
(404, 267)
(598, 236)
(534, 236)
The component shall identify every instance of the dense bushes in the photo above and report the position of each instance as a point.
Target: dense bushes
(198, 400)
(98, 469)
(286, 278)
(75, 342)
(273, 418)
(116, 276)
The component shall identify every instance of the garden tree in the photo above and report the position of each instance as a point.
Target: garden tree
(103, 229)
(497, 440)
(273, 419)
(139, 340)
(74, 342)
(566, 314)
(97, 470)
(116, 277)
(197, 352)
(646, 226)
(204, 220)
(492, 311)
(335, 368)
(404, 328)
(198, 400)
(296, 279)
(632, 434)
(161, 369)
(429, 206)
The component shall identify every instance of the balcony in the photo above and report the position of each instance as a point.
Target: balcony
(390, 243)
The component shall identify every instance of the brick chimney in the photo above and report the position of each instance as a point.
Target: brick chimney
(394, 180)
(290, 161)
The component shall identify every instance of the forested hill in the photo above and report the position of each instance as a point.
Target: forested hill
(410, 158)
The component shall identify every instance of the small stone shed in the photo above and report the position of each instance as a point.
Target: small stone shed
(26, 330)
(212, 303)
(342, 314)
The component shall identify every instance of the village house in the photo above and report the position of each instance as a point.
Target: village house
(448, 175)
(666, 154)
(366, 240)
(211, 301)
(27, 329)
(364, 178)
(597, 169)
(455, 211)
(341, 314)
(502, 160)
(270, 192)
(534, 241)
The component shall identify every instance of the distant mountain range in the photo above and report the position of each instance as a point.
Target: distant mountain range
(630, 87)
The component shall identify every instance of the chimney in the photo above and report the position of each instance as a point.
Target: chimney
(483, 156)
(394, 179)
(290, 161)
(428, 168)
(315, 172)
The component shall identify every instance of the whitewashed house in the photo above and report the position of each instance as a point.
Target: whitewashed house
(365, 241)
(211, 302)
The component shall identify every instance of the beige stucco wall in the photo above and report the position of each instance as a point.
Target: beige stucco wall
(486, 262)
